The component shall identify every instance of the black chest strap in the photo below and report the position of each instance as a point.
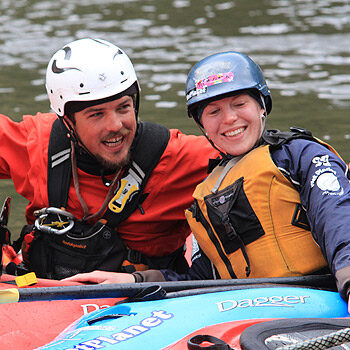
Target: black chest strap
(147, 148)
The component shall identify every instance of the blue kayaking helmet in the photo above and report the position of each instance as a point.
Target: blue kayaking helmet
(224, 74)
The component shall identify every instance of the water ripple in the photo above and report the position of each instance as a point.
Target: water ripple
(303, 46)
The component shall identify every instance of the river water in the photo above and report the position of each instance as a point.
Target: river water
(303, 47)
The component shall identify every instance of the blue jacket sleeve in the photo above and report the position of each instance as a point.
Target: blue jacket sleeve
(321, 180)
(201, 268)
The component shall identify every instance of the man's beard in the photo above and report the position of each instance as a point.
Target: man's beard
(107, 164)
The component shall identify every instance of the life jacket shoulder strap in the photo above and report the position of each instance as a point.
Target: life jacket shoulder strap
(149, 145)
(59, 167)
(277, 138)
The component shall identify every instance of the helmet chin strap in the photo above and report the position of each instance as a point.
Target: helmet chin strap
(70, 130)
(75, 137)
(75, 142)
(78, 144)
(263, 123)
(207, 137)
(263, 117)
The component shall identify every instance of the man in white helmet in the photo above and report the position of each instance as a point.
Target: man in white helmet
(105, 191)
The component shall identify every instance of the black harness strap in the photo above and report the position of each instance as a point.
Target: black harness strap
(147, 148)
(59, 168)
(277, 138)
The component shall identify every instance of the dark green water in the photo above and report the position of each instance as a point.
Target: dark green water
(303, 47)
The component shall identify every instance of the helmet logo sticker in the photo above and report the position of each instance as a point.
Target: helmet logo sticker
(214, 79)
(67, 52)
(67, 55)
(190, 94)
(119, 52)
(58, 70)
(102, 76)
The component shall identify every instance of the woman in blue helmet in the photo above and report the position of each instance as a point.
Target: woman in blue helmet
(277, 203)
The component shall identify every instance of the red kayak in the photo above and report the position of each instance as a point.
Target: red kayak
(28, 325)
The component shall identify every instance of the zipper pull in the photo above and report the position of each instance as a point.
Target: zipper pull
(141, 209)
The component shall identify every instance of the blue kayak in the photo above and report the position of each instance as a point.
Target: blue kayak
(156, 324)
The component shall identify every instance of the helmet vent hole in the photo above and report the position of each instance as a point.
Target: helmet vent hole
(122, 73)
(61, 97)
(81, 85)
(59, 110)
(51, 91)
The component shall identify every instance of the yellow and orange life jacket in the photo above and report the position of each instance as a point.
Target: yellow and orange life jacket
(248, 220)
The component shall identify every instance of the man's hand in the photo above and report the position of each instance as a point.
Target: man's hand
(101, 277)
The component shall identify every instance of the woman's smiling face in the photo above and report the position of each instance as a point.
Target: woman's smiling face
(233, 123)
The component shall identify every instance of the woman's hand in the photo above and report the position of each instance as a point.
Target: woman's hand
(101, 277)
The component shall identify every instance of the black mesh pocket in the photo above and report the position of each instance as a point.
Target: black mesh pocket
(59, 256)
(233, 218)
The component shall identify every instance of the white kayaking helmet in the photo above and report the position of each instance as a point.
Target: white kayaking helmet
(88, 70)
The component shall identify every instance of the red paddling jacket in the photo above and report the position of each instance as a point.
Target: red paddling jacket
(158, 230)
